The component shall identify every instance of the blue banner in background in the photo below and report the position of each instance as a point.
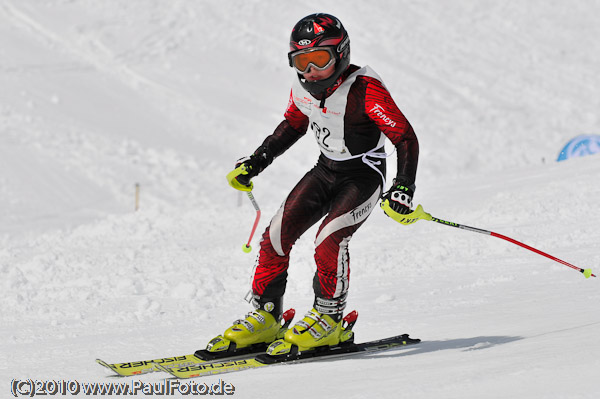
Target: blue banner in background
(580, 146)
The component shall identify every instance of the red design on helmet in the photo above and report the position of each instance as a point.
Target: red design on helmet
(318, 29)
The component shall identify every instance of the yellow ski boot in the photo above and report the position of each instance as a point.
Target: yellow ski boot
(321, 326)
(257, 327)
(315, 332)
(249, 335)
(315, 329)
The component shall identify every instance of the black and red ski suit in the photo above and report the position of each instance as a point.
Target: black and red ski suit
(350, 126)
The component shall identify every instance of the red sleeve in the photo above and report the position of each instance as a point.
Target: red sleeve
(295, 117)
(383, 111)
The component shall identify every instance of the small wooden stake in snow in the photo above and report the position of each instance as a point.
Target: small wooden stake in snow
(137, 196)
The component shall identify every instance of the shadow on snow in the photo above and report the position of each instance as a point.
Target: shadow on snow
(465, 344)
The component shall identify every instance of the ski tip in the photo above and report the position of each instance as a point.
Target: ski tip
(103, 363)
(408, 340)
(111, 367)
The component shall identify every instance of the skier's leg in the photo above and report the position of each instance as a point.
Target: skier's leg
(304, 206)
(355, 199)
(351, 207)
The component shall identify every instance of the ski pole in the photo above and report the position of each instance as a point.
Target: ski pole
(419, 213)
(233, 182)
(247, 247)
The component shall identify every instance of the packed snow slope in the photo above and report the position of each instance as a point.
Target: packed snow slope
(98, 96)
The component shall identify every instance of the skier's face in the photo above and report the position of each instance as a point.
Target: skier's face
(313, 74)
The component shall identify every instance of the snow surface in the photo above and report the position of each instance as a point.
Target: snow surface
(97, 96)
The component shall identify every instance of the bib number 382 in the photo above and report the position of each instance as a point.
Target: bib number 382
(321, 134)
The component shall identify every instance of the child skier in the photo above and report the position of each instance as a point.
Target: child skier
(350, 112)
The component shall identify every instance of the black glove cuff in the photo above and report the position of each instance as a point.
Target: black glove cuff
(399, 182)
(261, 159)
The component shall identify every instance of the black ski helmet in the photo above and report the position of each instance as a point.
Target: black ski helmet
(321, 30)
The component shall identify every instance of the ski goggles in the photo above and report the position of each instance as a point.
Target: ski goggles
(319, 58)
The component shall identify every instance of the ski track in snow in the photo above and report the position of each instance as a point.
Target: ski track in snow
(99, 96)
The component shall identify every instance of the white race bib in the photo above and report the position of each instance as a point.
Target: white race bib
(327, 123)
